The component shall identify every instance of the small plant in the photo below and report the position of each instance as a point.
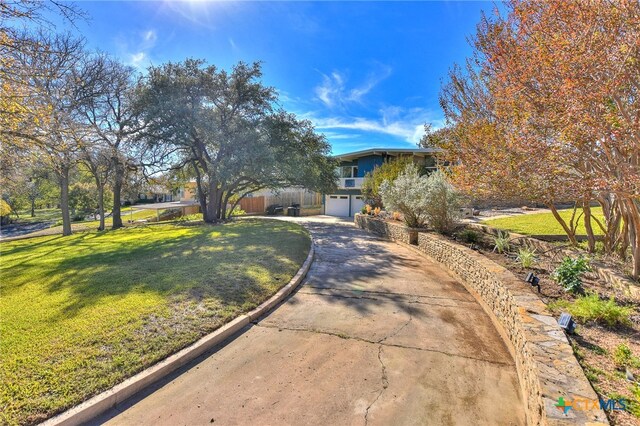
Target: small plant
(363, 210)
(623, 357)
(396, 215)
(368, 208)
(590, 308)
(569, 273)
(376, 211)
(469, 236)
(502, 244)
(526, 257)
(593, 373)
(634, 405)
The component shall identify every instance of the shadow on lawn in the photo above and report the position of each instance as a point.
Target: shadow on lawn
(235, 264)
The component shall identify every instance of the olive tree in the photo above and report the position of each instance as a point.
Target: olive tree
(422, 200)
(408, 194)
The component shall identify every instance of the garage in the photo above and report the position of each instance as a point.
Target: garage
(357, 203)
(337, 205)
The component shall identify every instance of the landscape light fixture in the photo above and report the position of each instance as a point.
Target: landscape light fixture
(567, 323)
(533, 280)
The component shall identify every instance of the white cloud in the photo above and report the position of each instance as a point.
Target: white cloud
(333, 91)
(336, 135)
(150, 37)
(136, 48)
(137, 59)
(406, 124)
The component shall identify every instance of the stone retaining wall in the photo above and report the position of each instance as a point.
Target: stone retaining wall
(546, 366)
(395, 231)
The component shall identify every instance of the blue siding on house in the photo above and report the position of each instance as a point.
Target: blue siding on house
(368, 163)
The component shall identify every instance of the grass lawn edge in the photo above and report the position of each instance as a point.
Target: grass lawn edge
(106, 400)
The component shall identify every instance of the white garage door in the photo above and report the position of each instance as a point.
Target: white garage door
(337, 205)
(357, 203)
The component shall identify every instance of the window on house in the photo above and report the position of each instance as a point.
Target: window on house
(348, 171)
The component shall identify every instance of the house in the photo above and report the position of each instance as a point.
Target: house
(187, 192)
(347, 200)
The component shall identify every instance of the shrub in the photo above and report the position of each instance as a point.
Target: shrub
(502, 244)
(388, 171)
(469, 236)
(526, 257)
(5, 208)
(408, 195)
(569, 273)
(623, 357)
(237, 212)
(78, 217)
(363, 210)
(590, 308)
(422, 199)
(444, 202)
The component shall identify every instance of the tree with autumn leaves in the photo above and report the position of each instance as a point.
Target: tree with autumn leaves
(547, 109)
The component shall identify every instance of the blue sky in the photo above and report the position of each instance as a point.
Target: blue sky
(366, 73)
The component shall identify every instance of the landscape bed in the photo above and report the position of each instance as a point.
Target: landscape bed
(82, 313)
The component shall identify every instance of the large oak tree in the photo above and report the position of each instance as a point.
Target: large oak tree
(226, 127)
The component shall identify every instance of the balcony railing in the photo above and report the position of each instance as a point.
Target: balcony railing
(350, 183)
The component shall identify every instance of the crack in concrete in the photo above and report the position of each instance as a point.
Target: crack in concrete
(409, 302)
(395, 333)
(306, 285)
(385, 385)
(340, 296)
(373, 342)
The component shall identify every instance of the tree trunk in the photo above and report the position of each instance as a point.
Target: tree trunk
(202, 199)
(225, 201)
(221, 207)
(64, 200)
(33, 207)
(117, 191)
(100, 204)
(570, 232)
(591, 239)
(213, 203)
(632, 217)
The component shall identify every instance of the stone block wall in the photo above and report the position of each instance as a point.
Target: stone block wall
(546, 366)
(394, 231)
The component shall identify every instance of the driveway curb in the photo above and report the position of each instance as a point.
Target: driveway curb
(108, 399)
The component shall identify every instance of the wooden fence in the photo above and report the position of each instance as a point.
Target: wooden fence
(259, 204)
(253, 204)
(304, 198)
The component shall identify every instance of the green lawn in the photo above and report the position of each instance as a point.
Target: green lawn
(543, 223)
(81, 313)
(40, 215)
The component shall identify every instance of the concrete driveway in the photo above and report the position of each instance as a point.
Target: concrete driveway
(376, 334)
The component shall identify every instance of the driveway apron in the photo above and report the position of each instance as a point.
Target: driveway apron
(375, 335)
